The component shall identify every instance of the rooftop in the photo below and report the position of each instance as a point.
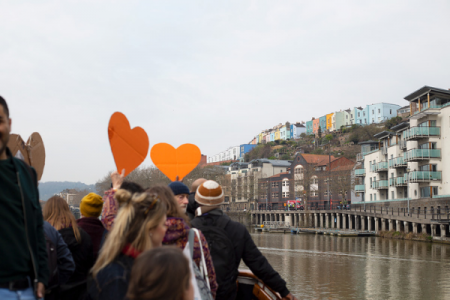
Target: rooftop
(318, 159)
(426, 90)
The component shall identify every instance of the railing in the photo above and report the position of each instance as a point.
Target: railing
(384, 150)
(360, 188)
(397, 162)
(381, 166)
(424, 176)
(424, 131)
(419, 154)
(441, 196)
(400, 181)
(381, 184)
(360, 172)
(359, 157)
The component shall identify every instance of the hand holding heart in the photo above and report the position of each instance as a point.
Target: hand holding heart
(130, 148)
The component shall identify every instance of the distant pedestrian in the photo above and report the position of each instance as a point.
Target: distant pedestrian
(161, 274)
(139, 226)
(90, 209)
(23, 255)
(58, 214)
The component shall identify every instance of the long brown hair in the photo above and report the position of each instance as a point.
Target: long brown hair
(166, 195)
(160, 273)
(138, 214)
(57, 213)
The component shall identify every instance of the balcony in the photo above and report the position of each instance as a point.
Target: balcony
(424, 176)
(380, 167)
(360, 172)
(400, 181)
(421, 132)
(359, 157)
(421, 154)
(397, 162)
(384, 150)
(380, 184)
(360, 188)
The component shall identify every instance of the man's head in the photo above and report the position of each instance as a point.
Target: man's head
(5, 127)
(181, 192)
(196, 184)
(209, 193)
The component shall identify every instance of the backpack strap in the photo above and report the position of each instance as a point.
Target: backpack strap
(191, 242)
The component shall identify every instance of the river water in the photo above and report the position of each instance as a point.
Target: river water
(330, 267)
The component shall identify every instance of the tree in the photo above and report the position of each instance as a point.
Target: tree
(341, 184)
(319, 132)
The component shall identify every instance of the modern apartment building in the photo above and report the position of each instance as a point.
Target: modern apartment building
(408, 163)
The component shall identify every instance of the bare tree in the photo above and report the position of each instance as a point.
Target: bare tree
(341, 184)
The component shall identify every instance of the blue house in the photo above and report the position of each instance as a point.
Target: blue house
(323, 123)
(245, 148)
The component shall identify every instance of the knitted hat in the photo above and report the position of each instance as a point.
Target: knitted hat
(209, 193)
(178, 188)
(91, 205)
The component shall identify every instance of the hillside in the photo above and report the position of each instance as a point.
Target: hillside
(48, 189)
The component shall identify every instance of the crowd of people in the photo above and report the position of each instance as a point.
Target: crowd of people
(161, 242)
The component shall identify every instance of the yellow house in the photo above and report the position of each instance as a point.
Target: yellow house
(260, 138)
(277, 134)
(330, 121)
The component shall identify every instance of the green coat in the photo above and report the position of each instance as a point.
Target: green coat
(34, 219)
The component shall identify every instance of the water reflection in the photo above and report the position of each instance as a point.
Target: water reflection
(329, 267)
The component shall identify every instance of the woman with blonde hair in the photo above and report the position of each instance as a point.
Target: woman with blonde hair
(139, 226)
(161, 274)
(178, 231)
(57, 212)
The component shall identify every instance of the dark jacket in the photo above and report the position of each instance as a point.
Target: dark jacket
(192, 206)
(94, 227)
(245, 249)
(27, 183)
(83, 256)
(112, 281)
(66, 265)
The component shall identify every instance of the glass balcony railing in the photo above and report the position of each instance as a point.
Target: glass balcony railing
(418, 132)
(424, 176)
(381, 184)
(360, 188)
(419, 154)
(400, 181)
(402, 144)
(360, 172)
(381, 166)
(397, 162)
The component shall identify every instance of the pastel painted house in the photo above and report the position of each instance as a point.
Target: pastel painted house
(309, 127)
(245, 148)
(323, 123)
(316, 125)
(296, 130)
(329, 121)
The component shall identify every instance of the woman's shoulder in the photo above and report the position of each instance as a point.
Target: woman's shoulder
(119, 267)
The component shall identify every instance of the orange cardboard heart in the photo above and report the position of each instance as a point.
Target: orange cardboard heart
(129, 146)
(175, 162)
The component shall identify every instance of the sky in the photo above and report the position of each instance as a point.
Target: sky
(210, 73)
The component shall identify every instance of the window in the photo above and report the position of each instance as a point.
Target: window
(285, 182)
(346, 116)
(364, 113)
(373, 112)
(390, 111)
(360, 121)
(351, 116)
(392, 195)
(365, 121)
(370, 197)
(358, 114)
(378, 110)
(313, 193)
(286, 195)
(373, 121)
(374, 197)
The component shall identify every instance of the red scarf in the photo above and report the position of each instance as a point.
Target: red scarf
(130, 251)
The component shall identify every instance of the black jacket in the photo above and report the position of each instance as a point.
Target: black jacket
(83, 256)
(66, 265)
(192, 206)
(245, 249)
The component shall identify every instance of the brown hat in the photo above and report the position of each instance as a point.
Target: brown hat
(209, 193)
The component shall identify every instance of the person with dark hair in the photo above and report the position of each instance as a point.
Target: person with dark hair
(139, 226)
(230, 242)
(161, 274)
(58, 214)
(23, 254)
(110, 205)
(177, 234)
(181, 192)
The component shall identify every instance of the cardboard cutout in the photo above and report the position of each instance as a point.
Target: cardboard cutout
(33, 152)
(129, 146)
(175, 162)
(36, 153)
